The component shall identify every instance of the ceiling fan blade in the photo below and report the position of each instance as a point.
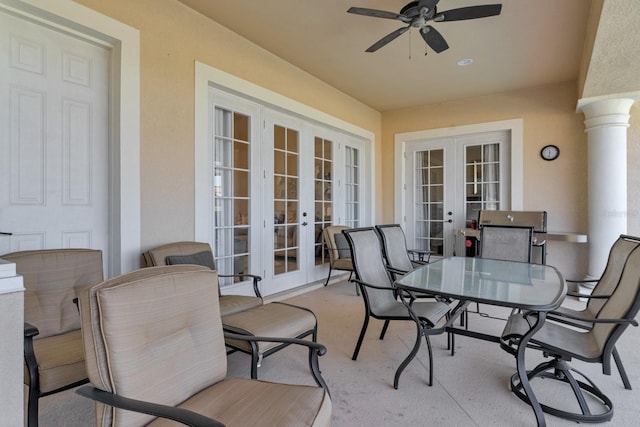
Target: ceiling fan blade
(387, 39)
(434, 39)
(471, 12)
(374, 13)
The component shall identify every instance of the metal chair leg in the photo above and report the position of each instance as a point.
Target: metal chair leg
(361, 337)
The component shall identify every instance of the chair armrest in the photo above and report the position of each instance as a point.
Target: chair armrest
(30, 330)
(578, 294)
(320, 349)
(368, 285)
(255, 278)
(582, 281)
(420, 253)
(180, 415)
(396, 271)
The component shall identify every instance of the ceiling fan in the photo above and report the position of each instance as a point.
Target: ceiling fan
(417, 14)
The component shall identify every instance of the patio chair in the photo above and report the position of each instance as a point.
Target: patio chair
(200, 253)
(338, 248)
(247, 315)
(155, 355)
(564, 342)
(378, 293)
(399, 259)
(507, 243)
(604, 287)
(504, 242)
(53, 354)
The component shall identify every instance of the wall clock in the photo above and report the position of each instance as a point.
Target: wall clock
(550, 152)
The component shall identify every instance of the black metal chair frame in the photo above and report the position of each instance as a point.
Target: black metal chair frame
(364, 286)
(560, 369)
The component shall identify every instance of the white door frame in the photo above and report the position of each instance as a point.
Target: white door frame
(124, 41)
(402, 139)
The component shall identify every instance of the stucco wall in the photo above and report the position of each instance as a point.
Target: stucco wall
(549, 117)
(172, 38)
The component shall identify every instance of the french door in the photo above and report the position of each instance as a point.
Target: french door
(448, 181)
(275, 181)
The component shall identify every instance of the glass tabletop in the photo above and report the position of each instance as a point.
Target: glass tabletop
(504, 283)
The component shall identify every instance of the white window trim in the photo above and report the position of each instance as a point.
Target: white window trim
(206, 75)
(515, 126)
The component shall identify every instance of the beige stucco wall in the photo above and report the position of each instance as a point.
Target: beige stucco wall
(549, 117)
(172, 38)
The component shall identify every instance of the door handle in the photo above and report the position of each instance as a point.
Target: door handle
(304, 224)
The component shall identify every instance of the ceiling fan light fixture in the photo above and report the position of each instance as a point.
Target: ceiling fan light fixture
(464, 62)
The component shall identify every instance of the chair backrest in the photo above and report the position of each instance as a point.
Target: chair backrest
(52, 279)
(618, 255)
(329, 234)
(158, 256)
(154, 334)
(508, 243)
(369, 266)
(394, 247)
(623, 303)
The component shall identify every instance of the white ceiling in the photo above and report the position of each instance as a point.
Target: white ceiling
(532, 43)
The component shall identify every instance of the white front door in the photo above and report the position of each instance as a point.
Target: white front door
(449, 180)
(53, 139)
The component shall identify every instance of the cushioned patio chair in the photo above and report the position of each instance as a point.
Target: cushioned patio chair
(200, 253)
(564, 342)
(247, 315)
(155, 355)
(378, 293)
(338, 248)
(53, 354)
(604, 287)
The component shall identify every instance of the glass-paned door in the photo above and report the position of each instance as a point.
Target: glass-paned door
(352, 186)
(449, 180)
(286, 199)
(482, 179)
(232, 193)
(288, 177)
(323, 194)
(428, 207)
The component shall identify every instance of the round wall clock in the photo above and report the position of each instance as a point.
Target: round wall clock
(550, 152)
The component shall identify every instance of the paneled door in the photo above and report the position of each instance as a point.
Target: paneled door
(54, 135)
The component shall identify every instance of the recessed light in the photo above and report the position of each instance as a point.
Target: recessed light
(464, 62)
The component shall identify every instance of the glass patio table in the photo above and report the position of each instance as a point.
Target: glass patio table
(532, 288)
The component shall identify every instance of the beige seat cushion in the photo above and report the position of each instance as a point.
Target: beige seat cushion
(263, 403)
(269, 320)
(231, 304)
(60, 360)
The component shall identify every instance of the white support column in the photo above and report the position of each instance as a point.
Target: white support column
(606, 123)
